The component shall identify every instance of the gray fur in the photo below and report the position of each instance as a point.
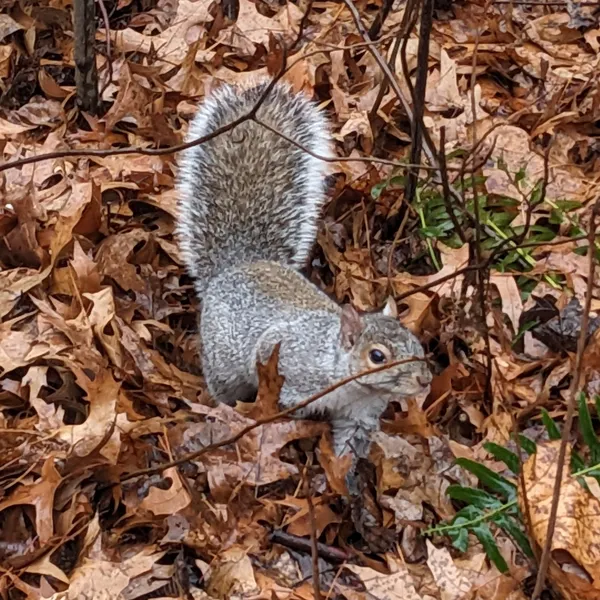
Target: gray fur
(249, 185)
(249, 211)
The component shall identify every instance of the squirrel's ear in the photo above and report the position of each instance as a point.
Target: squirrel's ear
(351, 326)
(390, 309)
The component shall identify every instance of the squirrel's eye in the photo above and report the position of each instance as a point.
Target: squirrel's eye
(377, 356)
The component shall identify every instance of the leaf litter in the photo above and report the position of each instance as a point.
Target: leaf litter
(99, 374)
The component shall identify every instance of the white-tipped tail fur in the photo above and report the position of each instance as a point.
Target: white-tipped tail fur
(249, 194)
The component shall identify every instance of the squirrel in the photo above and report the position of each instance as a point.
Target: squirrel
(249, 210)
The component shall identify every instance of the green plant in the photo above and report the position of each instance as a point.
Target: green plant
(495, 502)
(496, 216)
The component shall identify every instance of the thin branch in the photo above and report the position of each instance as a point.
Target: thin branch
(383, 88)
(302, 26)
(76, 153)
(329, 553)
(429, 146)
(379, 20)
(86, 75)
(264, 421)
(573, 390)
(481, 279)
(446, 188)
(440, 280)
(486, 516)
(314, 551)
(542, 3)
(530, 206)
(109, 75)
(418, 97)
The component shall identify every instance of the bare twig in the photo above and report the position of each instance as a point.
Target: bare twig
(429, 146)
(480, 275)
(440, 280)
(329, 553)
(446, 188)
(383, 88)
(543, 3)
(411, 18)
(314, 551)
(418, 97)
(530, 205)
(231, 9)
(264, 421)
(573, 390)
(380, 19)
(86, 75)
(302, 26)
(109, 72)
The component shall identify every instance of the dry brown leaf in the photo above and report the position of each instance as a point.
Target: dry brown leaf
(41, 496)
(231, 574)
(576, 529)
(452, 582)
(452, 261)
(413, 422)
(336, 468)
(398, 585)
(15, 282)
(169, 501)
(252, 28)
(510, 294)
(269, 388)
(442, 87)
(171, 46)
(255, 458)
(98, 431)
(103, 580)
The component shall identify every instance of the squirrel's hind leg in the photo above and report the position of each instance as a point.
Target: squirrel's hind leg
(227, 385)
(351, 437)
(229, 392)
(224, 364)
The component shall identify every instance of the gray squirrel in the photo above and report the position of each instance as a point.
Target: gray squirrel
(249, 209)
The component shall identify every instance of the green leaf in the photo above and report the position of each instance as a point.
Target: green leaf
(492, 480)
(568, 204)
(541, 233)
(523, 329)
(436, 231)
(513, 528)
(528, 445)
(475, 497)
(458, 153)
(484, 535)
(536, 194)
(453, 241)
(438, 213)
(398, 181)
(378, 188)
(460, 535)
(506, 201)
(576, 231)
(597, 401)
(587, 428)
(556, 217)
(577, 462)
(510, 459)
(550, 425)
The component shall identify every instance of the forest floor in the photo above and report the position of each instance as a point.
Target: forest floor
(492, 264)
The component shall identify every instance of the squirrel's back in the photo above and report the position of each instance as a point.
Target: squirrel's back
(249, 194)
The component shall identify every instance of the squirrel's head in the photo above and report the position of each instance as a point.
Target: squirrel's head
(376, 339)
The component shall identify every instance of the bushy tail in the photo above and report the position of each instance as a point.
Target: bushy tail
(249, 194)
